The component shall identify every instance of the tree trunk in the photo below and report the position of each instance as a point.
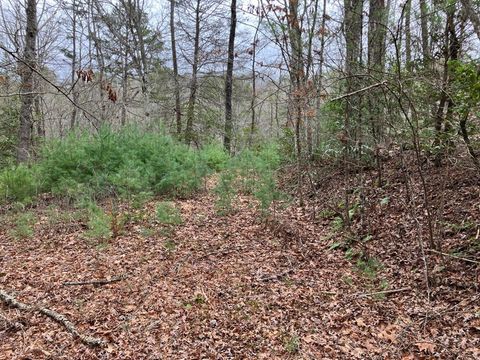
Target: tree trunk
(27, 81)
(424, 28)
(353, 36)
(73, 117)
(472, 15)
(178, 110)
(297, 72)
(229, 78)
(123, 118)
(408, 35)
(444, 111)
(321, 62)
(254, 83)
(193, 82)
(94, 34)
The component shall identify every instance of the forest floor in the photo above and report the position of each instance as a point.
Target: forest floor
(240, 287)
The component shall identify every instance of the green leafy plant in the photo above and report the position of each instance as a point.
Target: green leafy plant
(169, 245)
(168, 214)
(18, 183)
(292, 343)
(23, 227)
(252, 172)
(99, 223)
(214, 156)
(369, 267)
(337, 223)
(128, 163)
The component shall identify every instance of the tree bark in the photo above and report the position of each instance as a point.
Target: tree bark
(353, 36)
(229, 78)
(472, 15)
(178, 110)
(73, 117)
(297, 71)
(27, 83)
(425, 35)
(253, 100)
(408, 35)
(193, 82)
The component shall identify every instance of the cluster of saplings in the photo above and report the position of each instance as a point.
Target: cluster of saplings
(129, 163)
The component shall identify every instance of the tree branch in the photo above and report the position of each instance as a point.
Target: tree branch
(61, 319)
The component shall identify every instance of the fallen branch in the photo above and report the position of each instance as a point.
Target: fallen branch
(96, 282)
(11, 324)
(87, 340)
(383, 292)
(454, 256)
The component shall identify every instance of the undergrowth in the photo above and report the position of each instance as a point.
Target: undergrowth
(252, 172)
(128, 163)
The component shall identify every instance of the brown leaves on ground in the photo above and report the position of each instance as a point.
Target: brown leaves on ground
(230, 287)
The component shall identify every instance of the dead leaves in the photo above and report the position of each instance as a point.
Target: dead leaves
(426, 347)
(204, 298)
(86, 75)
(389, 333)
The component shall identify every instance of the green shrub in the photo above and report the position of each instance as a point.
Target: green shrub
(122, 163)
(252, 172)
(168, 214)
(214, 156)
(99, 223)
(18, 183)
(9, 115)
(23, 227)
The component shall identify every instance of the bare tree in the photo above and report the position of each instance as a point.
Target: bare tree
(229, 78)
(193, 82)
(472, 15)
(178, 110)
(26, 70)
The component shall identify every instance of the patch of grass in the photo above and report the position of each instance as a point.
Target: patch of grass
(57, 217)
(99, 224)
(169, 245)
(337, 224)
(165, 232)
(168, 214)
(102, 246)
(128, 163)
(138, 201)
(384, 285)
(336, 245)
(252, 172)
(147, 232)
(326, 214)
(199, 299)
(460, 227)
(23, 226)
(19, 183)
(369, 267)
(347, 280)
(292, 343)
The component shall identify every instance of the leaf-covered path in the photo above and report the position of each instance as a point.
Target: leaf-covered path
(230, 287)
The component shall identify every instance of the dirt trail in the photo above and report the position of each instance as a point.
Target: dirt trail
(215, 287)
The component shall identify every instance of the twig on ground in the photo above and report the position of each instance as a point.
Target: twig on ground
(96, 282)
(10, 324)
(454, 256)
(383, 292)
(61, 319)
